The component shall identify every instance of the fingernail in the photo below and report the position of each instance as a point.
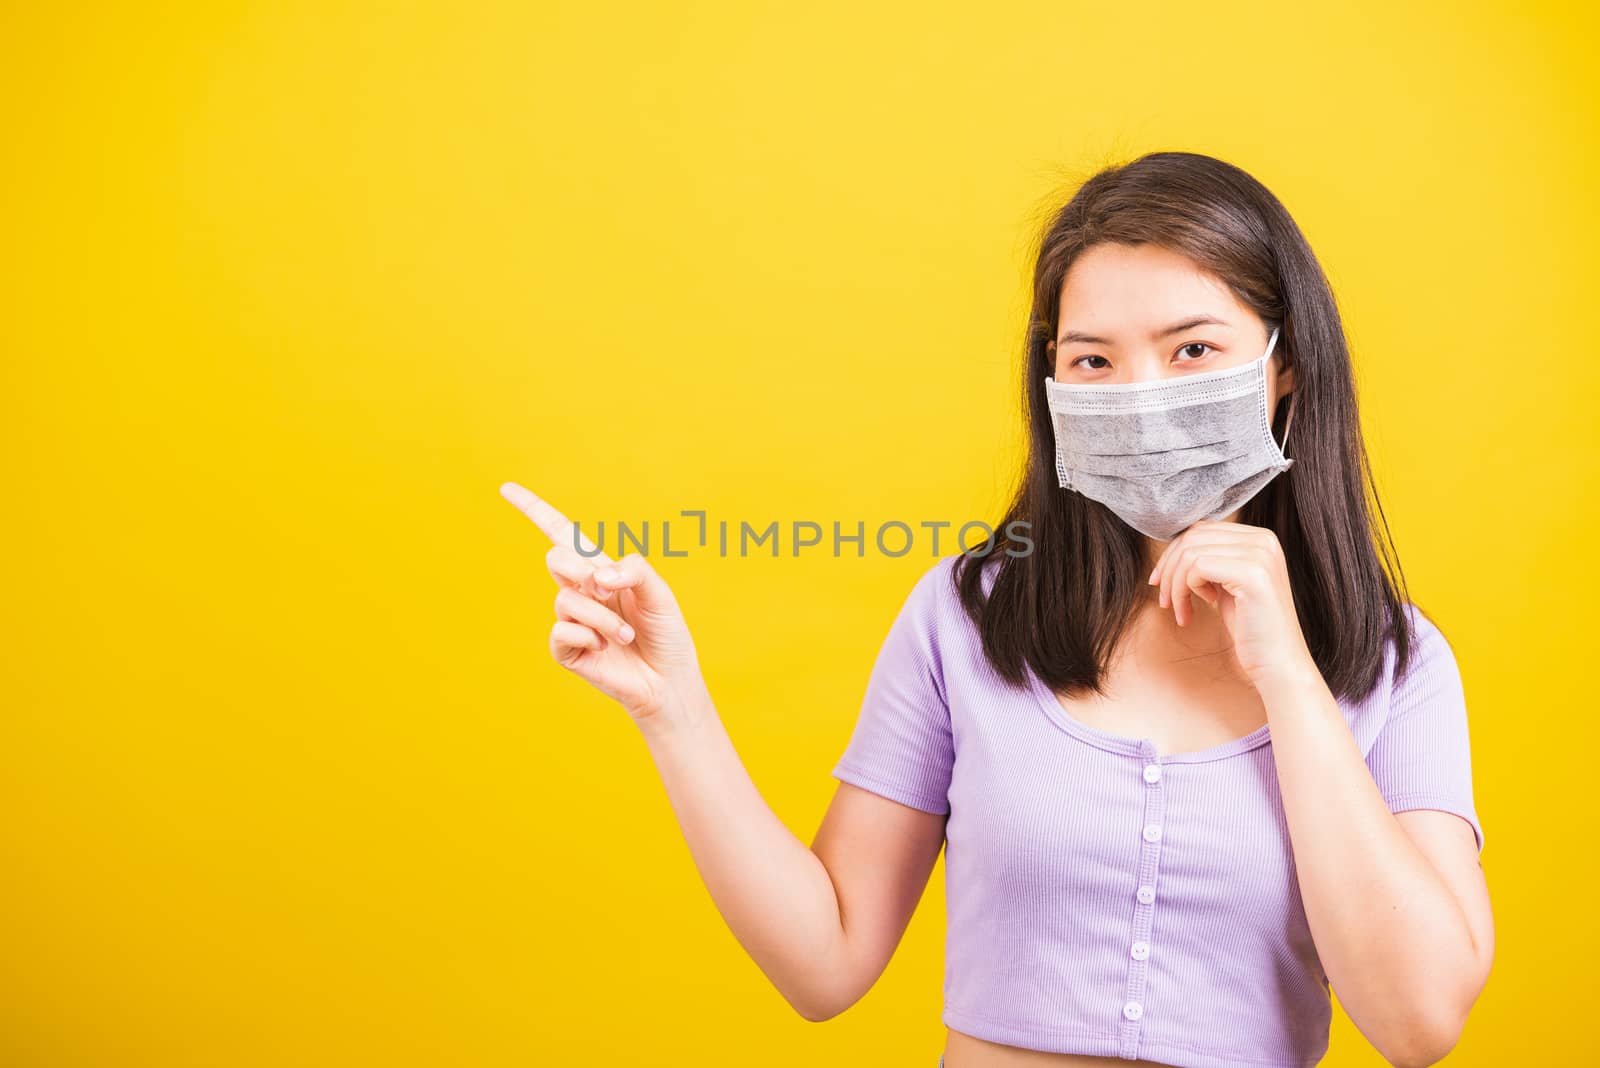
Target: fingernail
(626, 633)
(1151, 581)
(607, 575)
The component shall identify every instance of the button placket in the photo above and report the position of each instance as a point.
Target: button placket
(1150, 771)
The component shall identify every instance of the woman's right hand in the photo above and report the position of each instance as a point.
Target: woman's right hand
(618, 626)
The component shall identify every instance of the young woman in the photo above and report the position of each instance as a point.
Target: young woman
(1192, 753)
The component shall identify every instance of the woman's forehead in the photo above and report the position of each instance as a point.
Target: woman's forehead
(1142, 290)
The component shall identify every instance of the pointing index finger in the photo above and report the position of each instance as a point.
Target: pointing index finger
(557, 527)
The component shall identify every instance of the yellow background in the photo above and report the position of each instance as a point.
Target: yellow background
(287, 774)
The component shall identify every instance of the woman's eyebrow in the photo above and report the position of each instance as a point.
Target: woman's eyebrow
(1075, 337)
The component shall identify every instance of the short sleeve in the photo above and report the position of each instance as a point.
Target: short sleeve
(902, 746)
(1422, 757)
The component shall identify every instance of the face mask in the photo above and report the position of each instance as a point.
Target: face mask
(1164, 455)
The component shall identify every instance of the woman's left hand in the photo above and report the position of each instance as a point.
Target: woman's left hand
(1240, 570)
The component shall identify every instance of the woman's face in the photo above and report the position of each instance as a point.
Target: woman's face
(1144, 313)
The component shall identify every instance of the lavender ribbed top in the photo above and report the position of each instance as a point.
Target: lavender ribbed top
(1103, 899)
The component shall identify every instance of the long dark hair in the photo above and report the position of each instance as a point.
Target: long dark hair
(1060, 605)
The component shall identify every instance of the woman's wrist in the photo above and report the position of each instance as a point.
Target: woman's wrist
(683, 710)
(1291, 680)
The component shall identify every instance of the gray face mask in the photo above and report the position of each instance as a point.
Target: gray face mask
(1164, 455)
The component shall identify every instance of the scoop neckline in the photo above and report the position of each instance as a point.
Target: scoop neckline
(1129, 745)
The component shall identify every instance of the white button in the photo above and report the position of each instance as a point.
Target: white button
(1152, 773)
(1147, 894)
(1133, 1010)
(1140, 950)
(1152, 832)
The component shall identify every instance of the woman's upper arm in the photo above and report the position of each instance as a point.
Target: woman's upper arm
(1422, 763)
(884, 829)
(879, 855)
(1422, 756)
(1452, 849)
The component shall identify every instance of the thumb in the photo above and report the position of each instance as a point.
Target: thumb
(635, 572)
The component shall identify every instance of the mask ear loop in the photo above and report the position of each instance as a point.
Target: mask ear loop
(1288, 420)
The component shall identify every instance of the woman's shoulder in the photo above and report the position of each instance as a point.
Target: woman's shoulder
(934, 585)
(1429, 659)
(936, 589)
(931, 606)
(1428, 641)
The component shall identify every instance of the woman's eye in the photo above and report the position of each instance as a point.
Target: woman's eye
(1194, 357)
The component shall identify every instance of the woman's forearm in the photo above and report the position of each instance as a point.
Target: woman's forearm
(1392, 937)
(772, 890)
